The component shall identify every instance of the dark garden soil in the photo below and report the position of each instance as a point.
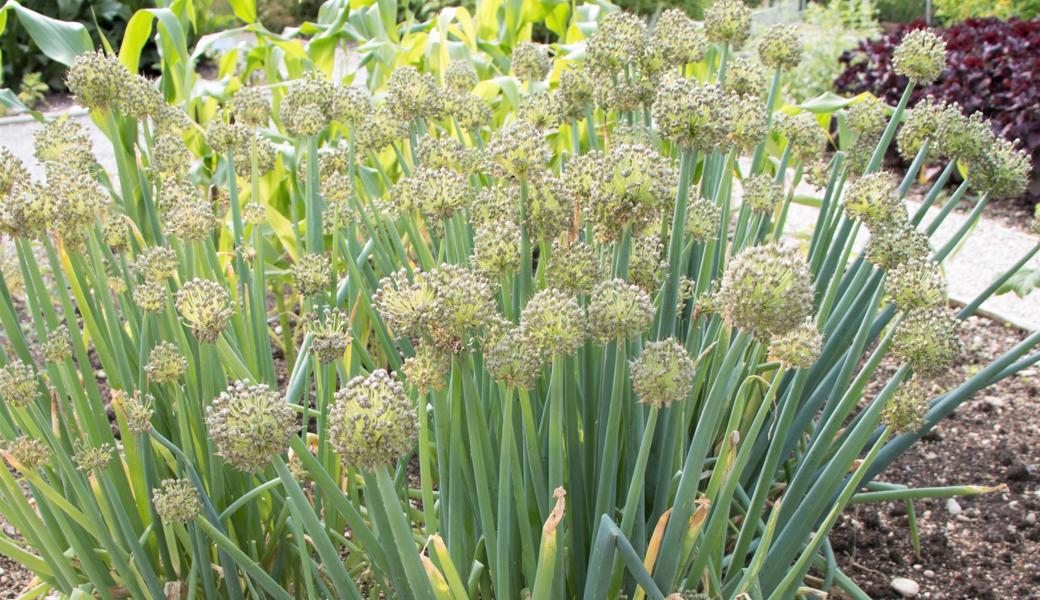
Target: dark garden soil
(983, 547)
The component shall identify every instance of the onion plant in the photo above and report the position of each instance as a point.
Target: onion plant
(355, 345)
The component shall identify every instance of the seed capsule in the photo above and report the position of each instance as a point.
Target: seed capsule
(531, 61)
(29, 453)
(373, 423)
(554, 323)
(177, 501)
(780, 48)
(728, 21)
(766, 291)
(18, 384)
(166, 364)
(921, 56)
(927, 340)
(800, 347)
(250, 424)
(206, 307)
(618, 311)
(662, 374)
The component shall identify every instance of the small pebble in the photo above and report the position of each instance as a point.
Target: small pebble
(907, 588)
(953, 507)
(1031, 518)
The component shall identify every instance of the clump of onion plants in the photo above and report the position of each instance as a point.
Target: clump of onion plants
(388, 342)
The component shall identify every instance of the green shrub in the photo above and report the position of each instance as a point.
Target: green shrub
(901, 11)
(482, 330)
(955, 11)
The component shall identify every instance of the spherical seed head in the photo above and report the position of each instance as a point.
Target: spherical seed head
(337, 189)
(620, 40)
(921, 124)
(410, 94)
(177, 501)
(156, 263)
(251, 106)
(166, 364)
(460, 76)
(138, 410)
(96, 79)
(65, 144)
(873, 200)
(728, 21)
(499, 202)
(446, 153)
(921, 56)
(766, 291)
(376, 132)
(406, 306)
(12, 172)
(496, 248)
(573, 268)
(618, 310)
(513, 359)
(224, 136)
(962, 137)
(373, 423)
(905, 410)
(576, 91)
(89, 458)
(896, 244)
(762, 193)
(550, 209)
(351, 103)
(868, 117)
(57, 348)
(744, 122)
(250, 424)
(464, 304)
(582, 173)
(780, 47)
(205, 307)
(192, 221)
(439, 193)
(311, 274)
(678, 39)
(689, 114)
(139, 98)
(745, 77)
(804, 134)
(927, 339)
(30, 454)
(18, 384)
(554, 323)
(647, 265)
(798, 348)
(544, 110)
(26, 211)
(662, 374)
(254, 213)
(517, 150)
(77, 199)
(1003, 171)
(308, 105)
(634, 186)
(703, 217)
(150, 296)
(469, 111)
(330, 334)
(531, 61)
(916, 284)
(171, 158)
(427, 369)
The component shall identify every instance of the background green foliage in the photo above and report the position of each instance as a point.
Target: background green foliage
(955, 11)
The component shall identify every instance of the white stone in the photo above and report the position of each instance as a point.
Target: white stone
(907, 588)
(953, 507)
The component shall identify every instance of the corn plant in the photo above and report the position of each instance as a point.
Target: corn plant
(351, 345)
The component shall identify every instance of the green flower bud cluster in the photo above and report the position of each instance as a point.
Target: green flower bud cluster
(554, 323)
(905, 410)
(191, 220)
(499, 202)
(633, 187)
(96, 79)
(513, 359)
(29, 454)
(251, 106)
(530, 61)
(254, 213)
(165, 364)
(690, 114)
(89, 458)
(573, 268)
(873, 200)
(57, 348)
(351, 104)
(544, 110)
(799, 347)
(150, 297)
(411, 95)
(762, 194)
(308, 106)
(426, 370)
(728, 21)
(677, 38)
(927, 340)
(920, 56)
(496, 248)
(1003, 171)
(620, 40)
(406, 306)
(916, 284)
(12, 172)
(647, 265)
(780, 47)
(517, 150)
(156, 263)
(138, 409)
(78, 199)
(438, 193)
(378, 130)
(618, 310)
(745, 123)
(205, 307)
(26, 211)
(663, 373)
(250, 424)
(311, 274)
(745, 77)
(469, 111)
(921, 124)
(805, 136)
(171, 157)
(176, 501)
(447, 153)
(550, 209)
(330, 334)
(703, 218)
(766, 291)
(460, 77)
(896, 244)
(373, 422)
(577, 91)
(868, 118)
(63, 144)
(18, 384)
